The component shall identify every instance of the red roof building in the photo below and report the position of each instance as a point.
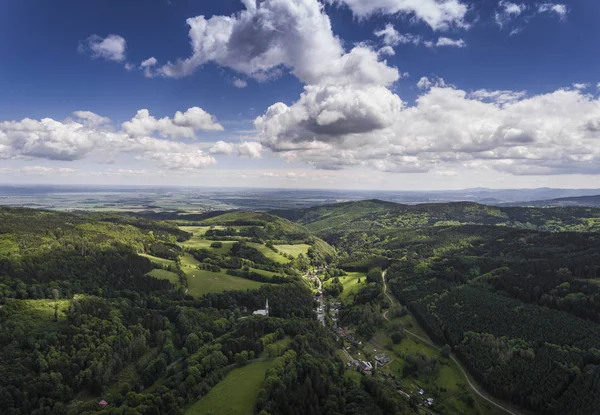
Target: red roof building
(102, 403)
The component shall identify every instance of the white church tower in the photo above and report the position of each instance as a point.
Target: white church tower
(264, 312)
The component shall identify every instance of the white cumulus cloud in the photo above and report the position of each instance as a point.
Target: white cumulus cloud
(392, 37)
(247, 149)
(445, 41)
(148, 65)
(111, 48)
(184, 124)
(508, 11)
(240, 83)
(554, 133)
(272, 34)
(560, 9)
(438, 14)
(88, 135)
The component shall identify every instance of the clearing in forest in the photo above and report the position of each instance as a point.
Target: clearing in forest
(159, 261)
(293, 250)
(269, 253)
(235, 394)
(201, 282)
(163, 274)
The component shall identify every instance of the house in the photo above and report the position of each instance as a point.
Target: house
(102, 403)
(421, 392)
(340, 331)
(264, 312)
(429, 401)
(365, 366)
(382, 359)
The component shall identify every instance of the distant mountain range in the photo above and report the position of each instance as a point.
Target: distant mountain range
(581, 201)
(202, 199)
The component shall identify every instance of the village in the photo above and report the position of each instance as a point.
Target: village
(328, 314)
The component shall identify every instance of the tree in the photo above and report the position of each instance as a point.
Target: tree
(446, 350)
(192, 343)
(241, 358)
(374, 275)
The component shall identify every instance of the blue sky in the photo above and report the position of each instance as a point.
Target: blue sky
(399, 94)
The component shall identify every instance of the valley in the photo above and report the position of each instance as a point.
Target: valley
(437, 309)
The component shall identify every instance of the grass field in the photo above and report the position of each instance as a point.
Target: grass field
(195, 230)
(160, 261)
(280, 259)
(35, 315)
(235, 394)
(199, 243)
(163, 274)
(351, 285)
(263, 272)
(293, 250)
(202, 282)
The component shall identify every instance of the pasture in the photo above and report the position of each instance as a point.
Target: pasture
(198, 243)
(235, 394)
(202, 282)
(280, 259)
(163, 274)
(351, 285)
(293, 250)
(159, 261)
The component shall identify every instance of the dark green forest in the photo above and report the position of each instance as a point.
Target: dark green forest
(513, 291)
(81, 319)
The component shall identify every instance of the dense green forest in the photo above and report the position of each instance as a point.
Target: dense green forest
(513, 291)
(150, 311)
(85, 316)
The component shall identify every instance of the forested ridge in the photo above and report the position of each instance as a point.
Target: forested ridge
(514, 291)
(86, 313)
(81, 319)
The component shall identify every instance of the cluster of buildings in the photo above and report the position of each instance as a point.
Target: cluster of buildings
(320, 310)
(334, 313)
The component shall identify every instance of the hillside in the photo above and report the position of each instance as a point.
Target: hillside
(150, 316)
(374, 215)
(263, 228)
(512, 291)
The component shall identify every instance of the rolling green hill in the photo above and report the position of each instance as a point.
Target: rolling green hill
(375, 215)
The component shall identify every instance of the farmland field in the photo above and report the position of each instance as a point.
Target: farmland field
(197, 243)
(351, 285)
(263, 272)
(195, 230)
(163, 274)
(280, 259)
(293, 250)
(160, 261)
(234, 395)
(201, 282)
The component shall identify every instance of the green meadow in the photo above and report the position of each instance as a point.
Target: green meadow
(159, 261)
(235, 394)
(280, 259)
(163, 274)
(202, 282)
(293, 250)
(198, 243)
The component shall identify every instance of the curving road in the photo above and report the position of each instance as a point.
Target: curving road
(484, 395)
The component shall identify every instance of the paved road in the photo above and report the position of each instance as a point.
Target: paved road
(454, 359)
